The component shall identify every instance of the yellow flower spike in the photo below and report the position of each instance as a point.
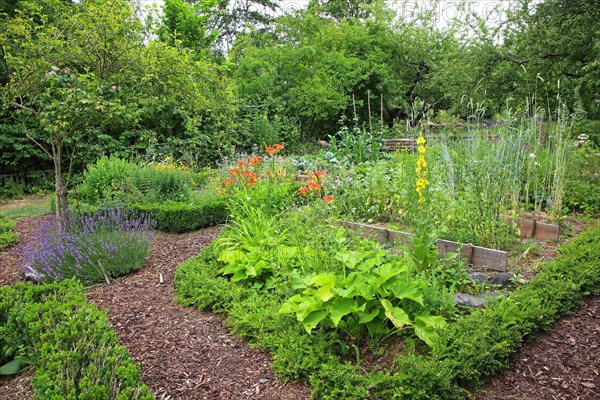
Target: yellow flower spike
(421, 170)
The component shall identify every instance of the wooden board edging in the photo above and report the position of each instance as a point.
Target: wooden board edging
(537, 230)
(478, 256)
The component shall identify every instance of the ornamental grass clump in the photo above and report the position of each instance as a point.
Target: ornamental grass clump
(94, 247)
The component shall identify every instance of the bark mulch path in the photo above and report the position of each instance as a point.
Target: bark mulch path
(187, 354)
(184, 353)
(563, 363)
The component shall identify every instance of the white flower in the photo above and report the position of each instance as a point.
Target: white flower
(532, 155)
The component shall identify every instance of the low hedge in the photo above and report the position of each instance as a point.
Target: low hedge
(178, 217)
(7, 236)
(69, 342)
(469, 349)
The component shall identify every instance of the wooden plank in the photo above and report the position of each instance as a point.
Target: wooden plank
(537, 230)
(480, 256)
(381, 234)
(399, 144)
(476, 255)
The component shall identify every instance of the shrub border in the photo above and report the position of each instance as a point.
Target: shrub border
(69, 342)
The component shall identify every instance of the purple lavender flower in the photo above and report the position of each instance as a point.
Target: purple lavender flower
(109, 241)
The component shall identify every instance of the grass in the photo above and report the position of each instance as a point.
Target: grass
(28, 206)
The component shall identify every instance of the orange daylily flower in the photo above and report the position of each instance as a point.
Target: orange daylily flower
(228, 181)
(303, 191)
(272, 150)
(312, 185)
(234, 172)
(251, 181)
(318, 175)
(242, 163)
(247, 172)
(256, 160)
(328, 199)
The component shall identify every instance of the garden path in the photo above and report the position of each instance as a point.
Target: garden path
(184, 353)
(187, 354)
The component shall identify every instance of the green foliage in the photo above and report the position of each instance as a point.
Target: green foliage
(112, 180)
(479, 344)
(254, 246)
(75, 357)
(362, 297)
(271, 196)
(356, 145)
(582, 180)
(7, 236)
(187, 25)
(172, 216)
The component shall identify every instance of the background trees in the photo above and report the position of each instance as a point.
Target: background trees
(207, 75)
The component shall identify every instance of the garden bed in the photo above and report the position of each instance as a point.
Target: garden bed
(188, 354)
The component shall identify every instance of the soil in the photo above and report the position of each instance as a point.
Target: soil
(187, 354)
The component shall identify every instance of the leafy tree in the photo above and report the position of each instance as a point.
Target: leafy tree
(237, 17)
(315, 67)
(84, 78)
(342, 9)
(186, 25)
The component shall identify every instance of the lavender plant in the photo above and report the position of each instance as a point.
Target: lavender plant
(96, 246)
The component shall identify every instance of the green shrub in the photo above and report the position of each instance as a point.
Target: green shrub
(178, 217)
(479, 344)
(7, 236)
(108, 180)
(582, 180)
(69, 342)
(115, 180)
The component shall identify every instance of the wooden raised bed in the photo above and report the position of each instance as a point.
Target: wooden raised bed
(496, 260)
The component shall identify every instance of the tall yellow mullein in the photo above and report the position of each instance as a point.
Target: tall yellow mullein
(422, 181)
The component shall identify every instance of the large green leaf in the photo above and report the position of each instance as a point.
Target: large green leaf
(425, 327)
(435, 321)
(291, 305)
(398, 316)
(12, 367)
(350, 258)
(231, 256)
(405, 290)
(308, 305)
(385, 273)
(341, 307)
(366, 317)
(313, 319)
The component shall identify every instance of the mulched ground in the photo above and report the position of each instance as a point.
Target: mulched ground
(187, 354)
(563, 363)
(184, 353)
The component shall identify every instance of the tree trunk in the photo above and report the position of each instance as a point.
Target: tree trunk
(62, 208)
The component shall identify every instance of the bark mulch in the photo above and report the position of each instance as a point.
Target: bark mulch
(184, 353)
(187, 354)
(563, 363)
